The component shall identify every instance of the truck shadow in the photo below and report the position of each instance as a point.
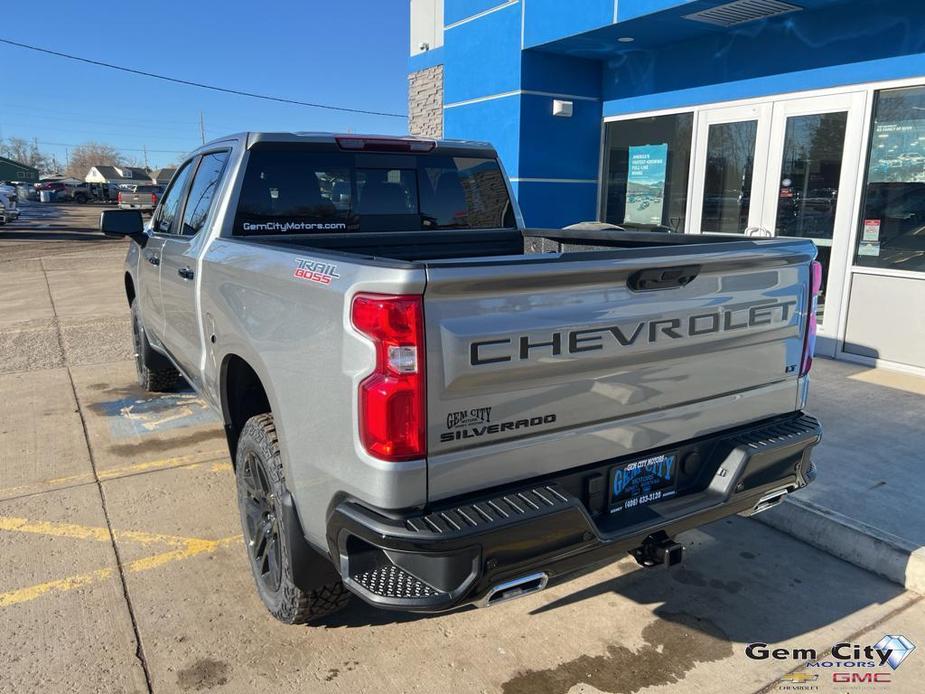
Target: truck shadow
(750, 581)
(360, 614)
(42, 235)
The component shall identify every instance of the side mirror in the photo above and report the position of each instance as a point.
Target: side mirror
(123, 223)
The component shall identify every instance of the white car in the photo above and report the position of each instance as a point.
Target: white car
(8, 199)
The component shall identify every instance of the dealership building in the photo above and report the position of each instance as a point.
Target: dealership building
(752, 117)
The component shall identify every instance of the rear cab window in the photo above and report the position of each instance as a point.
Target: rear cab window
(311, 189)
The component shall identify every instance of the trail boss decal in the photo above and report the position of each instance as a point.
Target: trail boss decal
(315, 271)
(468, 431)
(576, 342)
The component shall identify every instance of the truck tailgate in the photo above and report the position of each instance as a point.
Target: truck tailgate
(543, 363)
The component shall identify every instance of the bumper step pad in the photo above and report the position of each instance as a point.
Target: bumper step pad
(392, 582)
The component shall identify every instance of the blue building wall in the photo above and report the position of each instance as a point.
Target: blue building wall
(505, 62)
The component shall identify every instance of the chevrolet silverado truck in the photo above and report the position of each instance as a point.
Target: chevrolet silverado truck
(140, 197)
(428, 405)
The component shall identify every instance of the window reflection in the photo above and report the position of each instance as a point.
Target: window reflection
(892, 233)
(646, 168)
(808, 192)
(728, 178)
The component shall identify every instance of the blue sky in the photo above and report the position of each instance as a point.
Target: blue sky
(350, 53)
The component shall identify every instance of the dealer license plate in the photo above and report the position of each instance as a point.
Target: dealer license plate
(643, 482)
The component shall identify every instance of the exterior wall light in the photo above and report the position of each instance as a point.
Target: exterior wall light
(562, 108)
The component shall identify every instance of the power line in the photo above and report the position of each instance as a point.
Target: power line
(201, 85)
(105, 134)
(59, 112)
(122, 149)
(20, 112)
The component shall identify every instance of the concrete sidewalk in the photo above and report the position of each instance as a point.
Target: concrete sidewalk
(866, 505)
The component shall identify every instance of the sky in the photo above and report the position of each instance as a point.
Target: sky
(351, 53)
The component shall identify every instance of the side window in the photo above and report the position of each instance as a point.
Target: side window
(170, 205)
(201, 193)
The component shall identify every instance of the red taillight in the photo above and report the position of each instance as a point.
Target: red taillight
(119, 197)
(391, 398)
(385, 144)
(153, 199)
(809, 343)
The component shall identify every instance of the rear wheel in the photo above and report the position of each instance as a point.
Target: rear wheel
(153, 377)
(261, 488)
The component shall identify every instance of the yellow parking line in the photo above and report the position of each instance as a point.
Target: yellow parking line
(86, 532)
(122, 471)
(135, 468)
(194, 547)
(14, 597)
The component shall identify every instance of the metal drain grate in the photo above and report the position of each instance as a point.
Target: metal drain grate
(392, 582)
(741, 11)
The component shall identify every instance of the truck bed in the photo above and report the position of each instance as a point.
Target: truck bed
(425, 247)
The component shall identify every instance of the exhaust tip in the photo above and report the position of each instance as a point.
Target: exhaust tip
(769, 500)
(516, 588)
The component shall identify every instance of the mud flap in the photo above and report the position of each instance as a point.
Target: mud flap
(310, 569)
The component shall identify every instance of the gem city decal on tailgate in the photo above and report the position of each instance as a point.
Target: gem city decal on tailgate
(315, 271)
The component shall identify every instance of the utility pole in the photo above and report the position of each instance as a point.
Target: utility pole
(146, 155)
(202, 128)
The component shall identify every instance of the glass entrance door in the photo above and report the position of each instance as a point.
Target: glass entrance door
(810, 188)
(729, 170)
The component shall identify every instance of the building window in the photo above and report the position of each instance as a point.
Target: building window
(727, 181)
(646, 166)
(892, 233)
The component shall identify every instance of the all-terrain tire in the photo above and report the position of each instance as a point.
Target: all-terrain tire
(261, 486)
(153, 377)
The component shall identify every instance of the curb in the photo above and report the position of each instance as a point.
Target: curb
(857, 543)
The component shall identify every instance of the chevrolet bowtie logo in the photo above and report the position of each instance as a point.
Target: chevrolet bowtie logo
(799, 678)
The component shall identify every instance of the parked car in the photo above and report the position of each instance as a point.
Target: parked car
(67, 192)
(428, 405)
(140, 197)
(9, 199)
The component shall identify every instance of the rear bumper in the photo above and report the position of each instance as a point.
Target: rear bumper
(455, 552)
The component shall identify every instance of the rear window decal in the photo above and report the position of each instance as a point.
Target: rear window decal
(284, 227)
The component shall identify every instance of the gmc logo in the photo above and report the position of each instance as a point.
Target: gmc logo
(573, 342)
(861, 677)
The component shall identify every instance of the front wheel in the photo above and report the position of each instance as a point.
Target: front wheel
(261, 488)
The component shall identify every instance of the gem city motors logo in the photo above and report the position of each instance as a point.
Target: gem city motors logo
(847, 663)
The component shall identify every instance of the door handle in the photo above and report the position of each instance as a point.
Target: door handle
(153, 259)
(662, 278)
(186, 273)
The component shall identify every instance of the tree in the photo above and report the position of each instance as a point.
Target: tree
(25, 152)
(84, 157)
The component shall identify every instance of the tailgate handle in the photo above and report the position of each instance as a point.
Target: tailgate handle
(662, 277)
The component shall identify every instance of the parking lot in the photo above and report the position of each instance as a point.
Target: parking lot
(124, 569)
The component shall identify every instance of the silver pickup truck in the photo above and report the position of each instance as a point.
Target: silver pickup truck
(428, 405)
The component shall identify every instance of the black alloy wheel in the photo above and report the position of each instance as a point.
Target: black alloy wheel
(261, 525)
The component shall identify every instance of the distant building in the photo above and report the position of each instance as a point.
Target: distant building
(162, 177)
(11, 170)
(118, 175)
